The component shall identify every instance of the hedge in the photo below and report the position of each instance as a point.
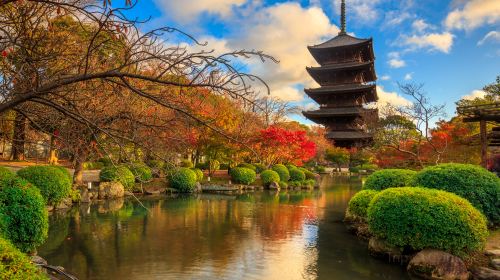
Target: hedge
(282, 171)
(269, 176)
(118, 174)
(472, 182)
(15, 265)
(290, 167)
(247, 165)
(358, 205)
(183, 179)
(141, 172)
(65, 171)
(389, 178)
(259, 167)
(199, 174)
(53, 183)
(419, 218)
(242, 175)
(308, 173)
(23, 217)
(6, 174)
(297, 175)
(186, 163)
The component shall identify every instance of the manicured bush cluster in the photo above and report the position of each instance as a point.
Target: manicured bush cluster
(15, 265)
(6, 174)
(141, 172)
(199, 174)
(93, 165)
(389, 178)
(297, 175)
(65, 171)
(259, 167)
(309, 183)
(23, 217)
(183, 179)
(308, 173)
(186, 163)
(358, 205)
(474, 183)
(283, 185)
(54, 184)
(243, 175)
(247, 165)
(269, 176)
(118, 174)
(290, 167)
(282, 171)
(320, 169)
(421, 218)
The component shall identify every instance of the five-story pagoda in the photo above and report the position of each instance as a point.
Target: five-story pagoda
(346, 76)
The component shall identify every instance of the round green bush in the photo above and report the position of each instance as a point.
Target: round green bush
(269, 176)
(183, 179)
(297, 175)
(23, 217)
(282, 171)
(389, 178)
(259, 167)
(54, 184)
(290, 166)
(419, 218)
(309, 175)
(6, 174)
(15, 265)
(118, 174)
(474, 183)
(186, 163)
(141, 172)
(247, 165)
(199, 174)
(283, 185)
(358, 205)
(243, 175)
(64, 170)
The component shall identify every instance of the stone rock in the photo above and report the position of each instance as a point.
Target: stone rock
(381, 249)
(38, 260)
(435, 264)
(197, 187)
(492, 253)
(64, 204)
(484, 273)
(274, 186)
(109, 190)
(85, 195)
(495, 263)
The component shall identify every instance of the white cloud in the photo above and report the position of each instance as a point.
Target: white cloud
(434, 41)
(473, 14)
(409, 76)
(311, 106)
(395, 60)
(360, 10)
(419, 25)
(189, 10)
(385, 77)
(390, 98)
(492, 36)
(395, 18)
(474, 94)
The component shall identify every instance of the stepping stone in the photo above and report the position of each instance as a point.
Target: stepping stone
(495, 263)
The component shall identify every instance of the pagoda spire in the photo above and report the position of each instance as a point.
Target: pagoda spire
(342, 18)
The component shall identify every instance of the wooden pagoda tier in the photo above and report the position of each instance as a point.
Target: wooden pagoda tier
(344, 95)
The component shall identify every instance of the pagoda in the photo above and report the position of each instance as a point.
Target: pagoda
(346, 76)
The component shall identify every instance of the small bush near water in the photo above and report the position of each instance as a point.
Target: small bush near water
(389, 178)
(259, 167)
(297, 175)
(358, 205)
(15, 265)
(247, 165)
(269, 176)
(199, 174)
(118, 174)
(419, 218)
(141, 172)
(282, 171)
(23, 217)
(183, 179)
(243, 175)
(54, 184)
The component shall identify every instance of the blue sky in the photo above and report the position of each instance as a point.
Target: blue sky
(453, 47)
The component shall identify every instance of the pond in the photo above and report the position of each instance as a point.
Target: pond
(257, 235)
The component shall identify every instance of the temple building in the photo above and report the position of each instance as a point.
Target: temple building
(346, 76)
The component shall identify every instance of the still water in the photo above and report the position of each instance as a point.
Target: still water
(260, 235)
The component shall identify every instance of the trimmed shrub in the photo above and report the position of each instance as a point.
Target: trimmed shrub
(54, 184)
(23, 217)
(320, 169)
(297, 175)
(310, 182)
(474, 183)
(118, 174)
(65, 171)
(259, 167)
(290, 167)
(282, 171)
(183, 179)
(199, 174)
(295, 184)
(141, 172)
(421, 218)
(358, 205)
(6, 174)
(389, 178)
(186, 163)
(269, 176)
(308, 173)
(243, 175)
(247, 165)
(15, 265)
(283, 185)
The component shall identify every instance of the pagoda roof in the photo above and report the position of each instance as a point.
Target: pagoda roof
(340, 66)
(323, 93)
(340, 41)
(337, 112)
(348, 135)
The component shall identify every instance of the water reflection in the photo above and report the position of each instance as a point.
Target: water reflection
(261, 235)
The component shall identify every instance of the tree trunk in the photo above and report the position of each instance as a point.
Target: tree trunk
(19, 137)
(78, 175)
(484, 143)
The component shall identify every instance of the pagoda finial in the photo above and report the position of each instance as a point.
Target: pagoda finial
(342, 18)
